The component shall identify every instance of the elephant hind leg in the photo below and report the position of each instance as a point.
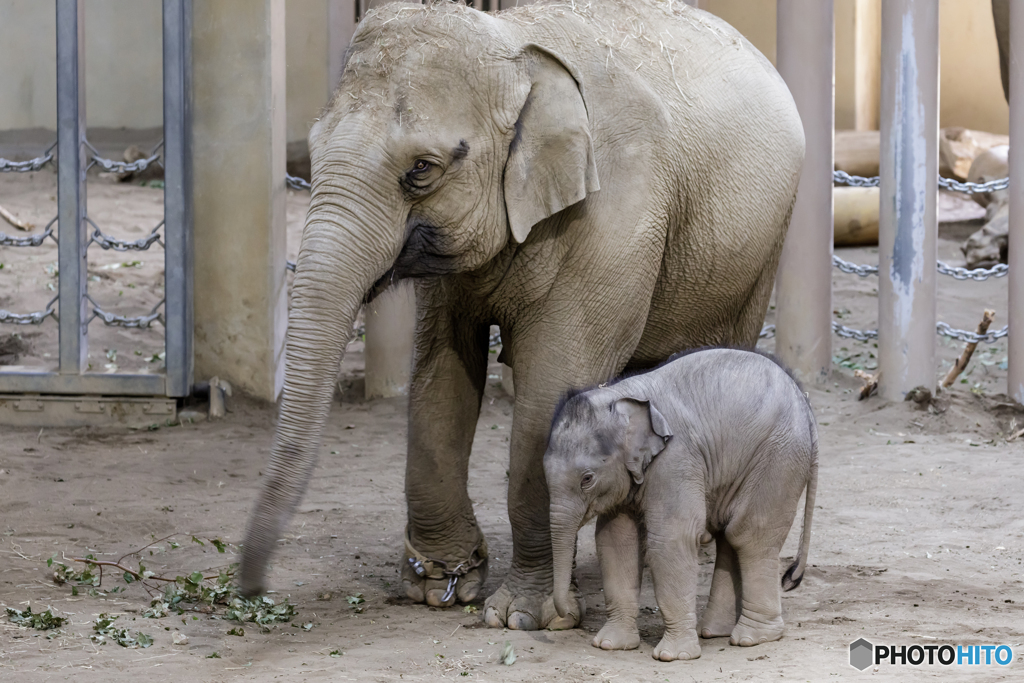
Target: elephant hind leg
(723, 608)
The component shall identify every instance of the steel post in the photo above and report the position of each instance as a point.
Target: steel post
(908, 212)
(1015, 378)
(177, 67)
(72, 160)
(803, 291)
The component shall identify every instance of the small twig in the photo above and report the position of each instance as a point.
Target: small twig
(135, 574)
(136, 552)
(1016, 435)
(870, 383)
(14, 220)
(965, 357)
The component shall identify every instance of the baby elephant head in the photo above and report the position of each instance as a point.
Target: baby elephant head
(598, 450)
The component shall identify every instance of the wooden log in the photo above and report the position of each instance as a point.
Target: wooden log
(856, 152)
(855, 211)
(965, 357)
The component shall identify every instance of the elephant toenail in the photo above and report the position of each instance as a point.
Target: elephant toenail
(521, 621)
(492, 619)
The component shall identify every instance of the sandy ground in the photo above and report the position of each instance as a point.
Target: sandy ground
(918, 532)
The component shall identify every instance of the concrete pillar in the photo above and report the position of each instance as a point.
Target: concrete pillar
(803, 291)
(390, 322)
(1015, 378)
(907, 227)
(238, 61)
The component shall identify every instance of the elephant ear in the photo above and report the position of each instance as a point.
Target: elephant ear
(647, 434)
(551, 159)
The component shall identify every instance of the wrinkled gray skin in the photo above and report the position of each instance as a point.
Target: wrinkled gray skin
(716, 444)
(608, 182)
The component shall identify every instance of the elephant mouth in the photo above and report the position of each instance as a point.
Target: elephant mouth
(422, 255)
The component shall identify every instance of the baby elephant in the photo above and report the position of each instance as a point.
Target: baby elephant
(717, 443)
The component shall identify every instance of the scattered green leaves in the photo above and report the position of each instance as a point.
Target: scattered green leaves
(508, 654)
(336, 653)
(237, 631)
(470, 609)
(262, 611)
(213, 655)
(356, 599)
(105, 631)
(43, 621)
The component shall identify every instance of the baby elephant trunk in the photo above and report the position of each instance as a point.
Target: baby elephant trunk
(564, 526)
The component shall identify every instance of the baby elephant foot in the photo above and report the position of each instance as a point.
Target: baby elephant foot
(672, 648)
(617, 636)
(714, 624)
(523, 609)
(748, 633)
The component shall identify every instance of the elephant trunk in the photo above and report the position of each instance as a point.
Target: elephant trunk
(349, 242)
(565, 523)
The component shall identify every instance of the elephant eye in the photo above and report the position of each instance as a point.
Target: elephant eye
(422, 174)
(587, 480)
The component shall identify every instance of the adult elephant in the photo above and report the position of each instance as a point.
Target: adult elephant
(608, 184)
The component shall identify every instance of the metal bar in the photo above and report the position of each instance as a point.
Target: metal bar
(803, 292)
(908, 211)
(178, 312)
(72, 160)
(42, 382)
(1015, 377)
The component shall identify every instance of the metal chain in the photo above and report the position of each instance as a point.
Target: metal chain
(767, 332)
(956, 272)
(853, 268)
(30, 240)
(290, 265)
(114, 320)
(7, 166)
(296, 183)
(35, 318)
(974, 188)
(140, 244)
(844, 178)
(850, 333)
(970, 337)
(941, 328)
(978, 274)
(111, 166)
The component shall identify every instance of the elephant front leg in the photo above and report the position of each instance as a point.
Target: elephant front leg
(525, 601)
(443, 539)
(618, 549)
(672, 556)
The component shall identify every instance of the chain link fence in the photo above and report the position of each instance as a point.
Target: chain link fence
(97, 237)
(844, 178)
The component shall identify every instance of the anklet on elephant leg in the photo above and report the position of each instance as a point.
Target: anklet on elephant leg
(439, 569)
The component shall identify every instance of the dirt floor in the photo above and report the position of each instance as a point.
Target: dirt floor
(896, 559)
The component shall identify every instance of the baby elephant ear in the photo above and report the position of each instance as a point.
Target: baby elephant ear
(647, 434)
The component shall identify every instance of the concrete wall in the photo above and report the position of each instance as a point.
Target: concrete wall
(123, 58)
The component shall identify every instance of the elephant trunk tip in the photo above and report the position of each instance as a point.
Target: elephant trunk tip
(562, 605)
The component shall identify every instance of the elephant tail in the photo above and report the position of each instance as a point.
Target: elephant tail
(795, 574)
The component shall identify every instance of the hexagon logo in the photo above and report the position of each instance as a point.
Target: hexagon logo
(861, 654)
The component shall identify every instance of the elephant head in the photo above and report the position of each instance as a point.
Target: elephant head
(598, 453)
(446, 141)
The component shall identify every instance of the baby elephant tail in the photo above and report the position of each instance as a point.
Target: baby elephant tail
(795, 574)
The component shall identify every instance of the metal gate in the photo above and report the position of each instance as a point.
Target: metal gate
(72, 394)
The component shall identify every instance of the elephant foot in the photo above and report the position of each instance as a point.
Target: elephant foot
(716, 623)
(748, 632)
(617, 635)
(672, 647)
(527, 609)
(440, 577)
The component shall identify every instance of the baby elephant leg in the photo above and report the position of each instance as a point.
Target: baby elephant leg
(723, 608)
(760, 618)
(618, 549)
(673, 563)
